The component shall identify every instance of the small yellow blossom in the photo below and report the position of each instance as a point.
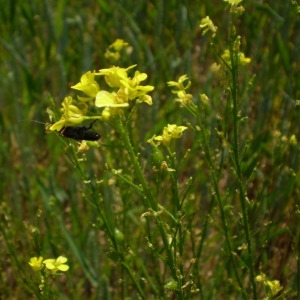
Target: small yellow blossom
(146, 98)
(293, 140)
(106, 99)
(127, 89)
(204, 99)
(215, 68)
(208, 25)
(273, 286)
(172, 131)
(36, 263)
(73, 113)
(133, 89)
(54, 265)
(234, 7)
(180, 84)
(243, 59)
(83, 147)
(114, 75)
(88, 85)
(118, 45)
(112, 56)
(241, 56)
(184, 98)
(113, 51)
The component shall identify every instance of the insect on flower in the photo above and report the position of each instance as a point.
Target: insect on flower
(78, 133)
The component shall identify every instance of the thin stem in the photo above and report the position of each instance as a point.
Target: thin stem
(109, 230)
(217, 196)
(136, 283)
(234, 87)
(223, 215)
(149, 202)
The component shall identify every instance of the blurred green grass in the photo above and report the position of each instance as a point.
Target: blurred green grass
(45, 46)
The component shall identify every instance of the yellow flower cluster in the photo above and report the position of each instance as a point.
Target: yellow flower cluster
(273, 286)
(113, 51)
(172, 131)
(123, 89)
(243, 60)
(88, 86)
(180, 90)
(207, 25)
(52, 265)
(235, 8)
(72, 113)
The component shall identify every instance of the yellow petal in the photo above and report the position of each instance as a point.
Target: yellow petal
(106, 99)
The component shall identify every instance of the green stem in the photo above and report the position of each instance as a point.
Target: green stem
(136, 283)
(149, 202)
(193, 110)
(109, 230)
(234, 87)
(222, 211)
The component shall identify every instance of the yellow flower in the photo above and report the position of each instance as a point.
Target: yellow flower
(204, 99)
(183, 98)
(226, 56)
(180, 84)
(293, 140)
(72, 114)
(118, 45)
(273, 286)
(54, 265)
(208, 25)
(36, 263)
(234, 7)
(215, 68)
(127, 89)
(106, 99)
(88, 85)
(146, 98)
(72, 111)
(130, 88)
(83, 147)
(114, 75)
(112, 53)
(134, 90)
(124, 89)
(241, 56)
(112, 56)
(172, 131)
(244, 60)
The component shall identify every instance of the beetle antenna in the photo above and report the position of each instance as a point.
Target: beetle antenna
(35, 121)
(38, 122)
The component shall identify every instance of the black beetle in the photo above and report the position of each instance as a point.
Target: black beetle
(79, 133)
